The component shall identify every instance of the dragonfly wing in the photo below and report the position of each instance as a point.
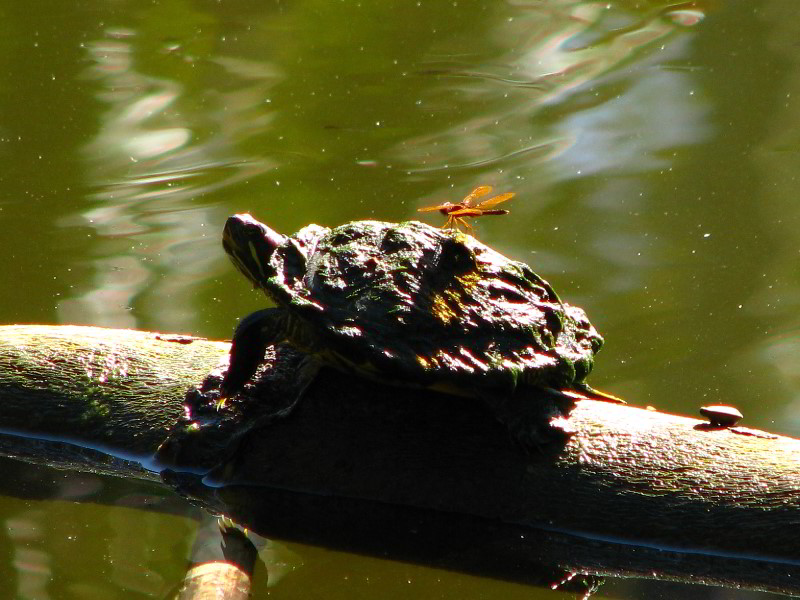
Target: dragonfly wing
(476, 193)
(496, 200)
(466, 212)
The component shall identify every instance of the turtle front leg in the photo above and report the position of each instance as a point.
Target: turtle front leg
(250, 340)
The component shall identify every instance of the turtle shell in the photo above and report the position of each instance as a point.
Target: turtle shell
(413, 304)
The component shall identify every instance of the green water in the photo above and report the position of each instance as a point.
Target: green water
(651, 149)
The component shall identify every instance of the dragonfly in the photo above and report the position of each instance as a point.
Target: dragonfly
(456, 211)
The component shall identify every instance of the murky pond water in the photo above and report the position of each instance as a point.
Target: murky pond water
(650, 146)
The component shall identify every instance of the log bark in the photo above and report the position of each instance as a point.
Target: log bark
(650, 479)
(94, 397)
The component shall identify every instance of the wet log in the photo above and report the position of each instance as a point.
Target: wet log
(645, 478)
(95, 398)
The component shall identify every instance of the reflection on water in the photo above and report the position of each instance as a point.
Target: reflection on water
(557, 104)
(31, 560)
(156, 159)
(70, 530)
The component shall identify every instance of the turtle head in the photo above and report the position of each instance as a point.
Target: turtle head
(260, 253)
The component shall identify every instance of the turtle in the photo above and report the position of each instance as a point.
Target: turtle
(412, 305)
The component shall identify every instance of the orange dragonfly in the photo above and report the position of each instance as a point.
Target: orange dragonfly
(455, 212)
